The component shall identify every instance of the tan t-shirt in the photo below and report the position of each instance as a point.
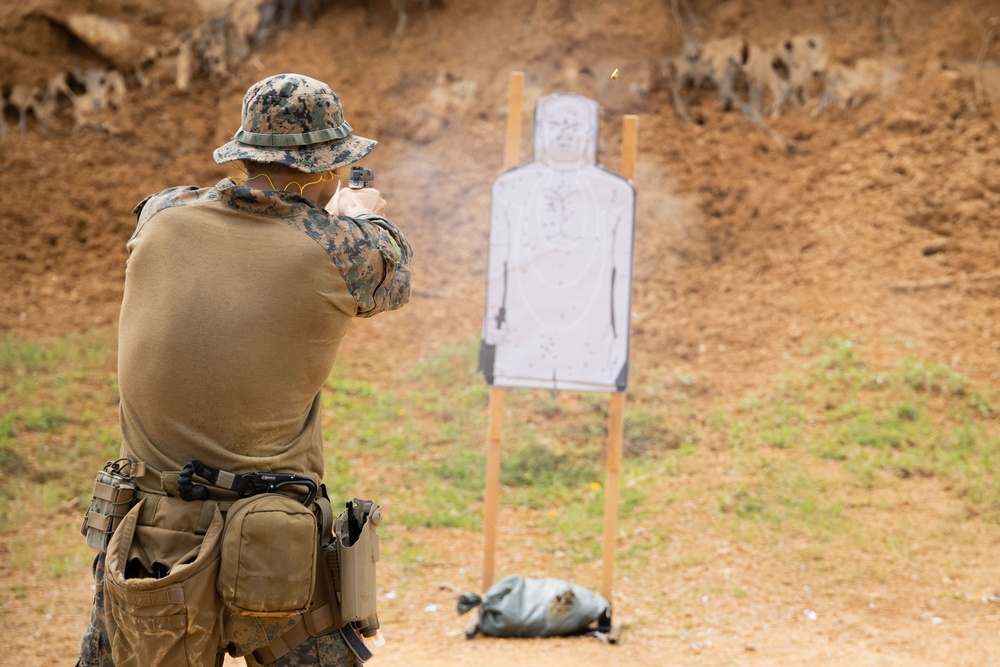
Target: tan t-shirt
(235, 303)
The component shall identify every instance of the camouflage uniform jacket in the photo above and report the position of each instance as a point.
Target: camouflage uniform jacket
(236, 300)
(356, 245)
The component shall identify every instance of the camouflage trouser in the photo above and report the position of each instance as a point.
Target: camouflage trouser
(328, 651)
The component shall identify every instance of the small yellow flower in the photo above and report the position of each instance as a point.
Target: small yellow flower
(552, 514)
(596, 486)
(401, 412)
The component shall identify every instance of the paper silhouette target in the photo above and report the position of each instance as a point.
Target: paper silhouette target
(559, 284)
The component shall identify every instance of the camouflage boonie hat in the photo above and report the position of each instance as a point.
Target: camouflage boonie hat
(296, 121)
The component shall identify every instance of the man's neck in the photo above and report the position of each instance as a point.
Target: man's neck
(312, 186)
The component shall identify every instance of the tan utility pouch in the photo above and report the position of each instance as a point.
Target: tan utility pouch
(357, 554)
(268, 556)
(114, 493)
(346, 557)
(161, 608)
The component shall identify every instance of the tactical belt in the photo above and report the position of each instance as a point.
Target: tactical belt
(245, 485)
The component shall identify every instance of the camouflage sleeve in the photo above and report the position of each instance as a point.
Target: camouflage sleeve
(153, 204)
(374, 258)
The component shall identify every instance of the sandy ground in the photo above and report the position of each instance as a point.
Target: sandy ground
(881, 224)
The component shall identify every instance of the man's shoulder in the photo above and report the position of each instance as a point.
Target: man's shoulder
(175, 196)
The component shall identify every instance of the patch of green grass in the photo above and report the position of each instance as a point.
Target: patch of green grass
(366, 418)
(782, 426)
(463, 469)
(908, 412)
(869, 430)
(7, 428)
(11, 463)
(648, 432)
(59, 566)
(339, 477)
(45, 420)
(18, 354)
(448, 488)
(919, 419)
(537, 465)
(44, 385)
(432, 428)
(448, 364)
(772, 507)
(923, 376)
(840, 353)
(577, 518)
(48, 495)
(745, 502)
(441, 507)
(407, 550)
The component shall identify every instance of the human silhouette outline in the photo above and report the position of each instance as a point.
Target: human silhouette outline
(560, 262)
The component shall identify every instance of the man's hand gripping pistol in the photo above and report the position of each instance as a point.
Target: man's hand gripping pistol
(359, 198)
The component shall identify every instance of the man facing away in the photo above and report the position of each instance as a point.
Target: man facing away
(236, 299)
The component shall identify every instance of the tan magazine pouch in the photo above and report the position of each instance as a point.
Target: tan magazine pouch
(114, 494)
(268, 556)
(160, 600)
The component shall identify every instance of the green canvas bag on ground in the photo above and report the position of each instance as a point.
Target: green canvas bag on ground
(519, 606)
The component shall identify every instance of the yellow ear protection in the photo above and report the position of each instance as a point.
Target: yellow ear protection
(327, 176)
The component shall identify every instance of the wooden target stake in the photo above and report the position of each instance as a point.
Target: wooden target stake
(515, 100)
(616, 408)
(491, 509)
(616, 429)
(630, 144)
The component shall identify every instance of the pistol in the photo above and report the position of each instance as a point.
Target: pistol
(361, 177)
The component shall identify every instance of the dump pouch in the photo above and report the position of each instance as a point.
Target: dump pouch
(268, 556)
(161, 608)
(114, 494)
(357, 553)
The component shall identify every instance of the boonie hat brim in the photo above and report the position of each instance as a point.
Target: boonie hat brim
(312, 158)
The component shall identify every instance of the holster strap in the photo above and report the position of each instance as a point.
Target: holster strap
(319, 621)
(322, 504)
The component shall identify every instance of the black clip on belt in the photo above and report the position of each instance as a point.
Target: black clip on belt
(245, 485)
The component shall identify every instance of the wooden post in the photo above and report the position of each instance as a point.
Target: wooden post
(616, 409)
(515, 101)
(616, 428)
(491, 504)
(630, 143)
